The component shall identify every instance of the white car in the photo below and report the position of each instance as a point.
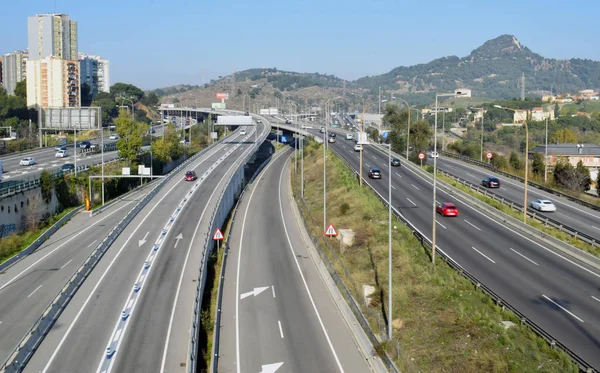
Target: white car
(27, 161)
(543, 205)
(61, 154)
(322, 129)
(433, 154)
(243, 132)
(331, 139)
(306, 126)
(349, 136)
(358, 147)
(114, 136)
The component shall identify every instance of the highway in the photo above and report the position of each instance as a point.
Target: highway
(79, 339)
(277, 312)
(27, 287)
(561, 295)
(569, 213)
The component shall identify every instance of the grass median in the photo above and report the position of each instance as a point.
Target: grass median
(498, 205)
(441, 322)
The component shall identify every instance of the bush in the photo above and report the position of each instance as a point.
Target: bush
(344, 208)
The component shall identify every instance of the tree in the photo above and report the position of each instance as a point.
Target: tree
(175, 100)
(126, 90)
(151, 100)
(34, 214)
(574, 178)
(556, 110)
(86, 94)
(21, 89)
(47, 185)
(108, 105)
(538, 165)
(564, 136)
(515, 161)
(499, 161)
(130, 134)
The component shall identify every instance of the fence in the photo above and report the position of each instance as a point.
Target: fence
(33, 338)
(515, 177)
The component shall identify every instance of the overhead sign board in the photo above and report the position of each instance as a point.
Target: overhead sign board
(222, 96)
(234, 120)
(71, 118)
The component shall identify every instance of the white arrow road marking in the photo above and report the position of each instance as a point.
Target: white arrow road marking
(255, 292)
(143, 240)
(179, 237)
(271, 368)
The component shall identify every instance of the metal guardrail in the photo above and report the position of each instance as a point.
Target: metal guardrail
(582, 364)
(225, 203)
(33, 338)
(41, 239)
(519, 178)
(519, 207)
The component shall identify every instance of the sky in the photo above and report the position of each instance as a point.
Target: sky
(158, 43)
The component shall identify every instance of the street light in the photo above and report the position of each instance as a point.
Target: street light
(526, 161)
(480, 108)
(435, 157)
(295, 140)
(324, 165)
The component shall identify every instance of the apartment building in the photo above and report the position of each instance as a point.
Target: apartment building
(589, 154)
(13, 70)
(52, 35)
(95, 71)
(53, 82)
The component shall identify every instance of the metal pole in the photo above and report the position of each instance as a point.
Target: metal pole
(546, 155)
(443, 131)
(90, 190)
(362, 121)
(325, 170)
(526, 171)
(102, 145)
(302, 166)
(433, 240)
(390, 318)
(481, 156)
(407, 133)
(379, 102)
(74, 146)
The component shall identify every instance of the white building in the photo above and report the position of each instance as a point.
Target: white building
(95, 71)
(13, 70)
(52, 35)
(53, 82)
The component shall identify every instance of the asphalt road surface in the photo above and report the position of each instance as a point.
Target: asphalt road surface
(78, 341)
(28, 287)
(569, 213)
(559, 294)
(277, 312)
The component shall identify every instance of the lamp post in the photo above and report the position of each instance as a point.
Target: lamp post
(481, 109)
(324, 165)
(390, 318)
(526, 160)
(295, 139)
(433, 232)
(546, 155)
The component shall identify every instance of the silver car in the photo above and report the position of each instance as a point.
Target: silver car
(543, 205)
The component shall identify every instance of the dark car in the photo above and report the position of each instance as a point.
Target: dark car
(190, 176)
(491, 182)
(67, 167)
(247, 114)
(447, 209)
(374, 173)
(331, 134)
(396, 162)
(287, 121)
(85, 144)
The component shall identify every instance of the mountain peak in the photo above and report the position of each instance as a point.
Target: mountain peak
(503, 44)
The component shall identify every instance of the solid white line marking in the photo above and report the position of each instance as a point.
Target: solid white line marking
(280, 329)
(64, 265)
(92, 243)
(237, 290)
(503, 188)
(470, 174)
(339, 364)
(273, 288)
(413, 185)
(58, 247)
(367, 164)
(562, 308)
(482, 254)
(397, 174)
(36, 289)
(414, 204)
(393, 187)
(593, 226)
(442, 225)
(518, 253)
(113, 261)
(471, 224)
(592, 297)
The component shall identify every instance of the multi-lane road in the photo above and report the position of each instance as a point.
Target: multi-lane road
(29, 286)
(156, 330)
(276, 310)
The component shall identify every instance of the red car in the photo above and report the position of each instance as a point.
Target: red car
(190, 176)
(447, 209)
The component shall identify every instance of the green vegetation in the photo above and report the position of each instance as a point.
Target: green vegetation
(565, 237)
(442, 323)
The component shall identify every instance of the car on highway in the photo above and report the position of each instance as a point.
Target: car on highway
(331, 140)
(287, 121)
(61, 154)
(242, 132)
(543, 205)
(332, 134)
(358, 147)
(85, 144)
(491, 182)
(395, 162)
(190, 176)
(375, 173)
(349, 136)
(27, 161)
(433, 154)
(258, 121)
(67, 167)
(447, 209)
(306, 126)
(322, 129)
(114, 136)
(60, 147)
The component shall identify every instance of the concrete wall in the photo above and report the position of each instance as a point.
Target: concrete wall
(14, 209)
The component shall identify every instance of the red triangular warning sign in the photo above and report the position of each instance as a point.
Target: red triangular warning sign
(218, 236)
(331, 232)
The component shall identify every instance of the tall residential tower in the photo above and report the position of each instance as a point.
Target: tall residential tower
(13, 70)
(52, 35)
(95, 71)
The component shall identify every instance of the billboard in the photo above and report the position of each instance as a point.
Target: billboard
(218, 105)
(222, 96)
(70, 118)
(167, 106)
(234, 120)
(269, 111)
